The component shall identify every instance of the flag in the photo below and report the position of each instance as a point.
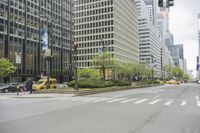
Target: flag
(44, 40)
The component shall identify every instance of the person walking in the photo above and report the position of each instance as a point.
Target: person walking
(30, 85)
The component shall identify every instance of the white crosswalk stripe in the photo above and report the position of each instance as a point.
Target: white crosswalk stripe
(155, 101)
(183, 103)
(169, 102)
(90, 99)
(125, 100)
(141, 101)
(115, 100)
(129, 100)
(4, 98)
(102, 99)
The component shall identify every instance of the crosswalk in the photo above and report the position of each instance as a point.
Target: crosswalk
(125, 100)
(136, 101)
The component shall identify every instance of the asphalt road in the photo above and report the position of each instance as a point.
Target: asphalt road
(163, 109)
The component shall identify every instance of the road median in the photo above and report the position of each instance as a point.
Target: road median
(90, 91)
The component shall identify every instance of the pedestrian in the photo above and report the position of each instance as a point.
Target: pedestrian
(30, 85)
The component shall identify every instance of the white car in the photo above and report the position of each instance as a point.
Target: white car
(198, 82)
(62, 86)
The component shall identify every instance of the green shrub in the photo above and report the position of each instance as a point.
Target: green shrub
(120, 83)
(91, 83)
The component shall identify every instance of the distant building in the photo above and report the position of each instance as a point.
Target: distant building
(150, 44)
(177, 55)
(152, 6)
(112, 23)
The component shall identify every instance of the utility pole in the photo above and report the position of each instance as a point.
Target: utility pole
(161, 63)
(76, 88)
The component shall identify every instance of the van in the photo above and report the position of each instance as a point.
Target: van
(41, 84)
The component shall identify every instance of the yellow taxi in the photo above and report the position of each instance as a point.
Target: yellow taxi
(41, 84)
(172, 82)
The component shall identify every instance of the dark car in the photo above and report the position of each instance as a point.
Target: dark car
(12, 87)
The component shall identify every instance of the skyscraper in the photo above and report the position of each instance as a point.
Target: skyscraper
(152, 6)
(199, 31)
(106, 23)
(21, 22)
(150, 43)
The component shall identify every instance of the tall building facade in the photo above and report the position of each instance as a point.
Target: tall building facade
(106, 23)
(152, 6)
(150, 44)
(199, 31)
(21, 22)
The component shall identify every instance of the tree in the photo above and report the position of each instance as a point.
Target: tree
(6, 67)
(177, 72)
(88, 73)
(104, 60)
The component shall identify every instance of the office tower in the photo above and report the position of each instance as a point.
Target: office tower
(22, 21)
(112, 24)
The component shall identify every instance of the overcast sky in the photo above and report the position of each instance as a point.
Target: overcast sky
(184, 27)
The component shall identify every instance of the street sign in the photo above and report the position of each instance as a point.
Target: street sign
(18, 58)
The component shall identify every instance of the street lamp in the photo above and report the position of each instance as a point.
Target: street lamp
(48, 50)
(76, 66)
(103, 65)
(153, 63)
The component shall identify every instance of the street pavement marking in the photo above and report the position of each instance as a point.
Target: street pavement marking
(129, 100)
(90, 99)
(156, 97)
(169, 102)
(102, 99)
(79, 98)
(198, 102)
(3, 98)
(115, 100)
(140, 101)
(155, 101)
(183, 103)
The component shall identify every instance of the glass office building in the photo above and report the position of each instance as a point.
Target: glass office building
(21, 22)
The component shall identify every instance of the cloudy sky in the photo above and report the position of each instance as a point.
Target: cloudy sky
(184, 26)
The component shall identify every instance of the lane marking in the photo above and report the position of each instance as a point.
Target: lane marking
(155, 101)
(115, 100)
(102, 99)
(169, 102)
(156, 97)
(140, 101)
(183, 103)
(79, 98)
(2, 98)
(198, 102)
(129, 100)
(89, 99)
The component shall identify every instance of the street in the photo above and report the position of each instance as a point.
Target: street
(161, 109)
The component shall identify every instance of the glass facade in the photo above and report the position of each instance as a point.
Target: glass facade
(21, 22)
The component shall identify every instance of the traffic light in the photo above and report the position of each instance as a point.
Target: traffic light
(170, 3)
(160, 3)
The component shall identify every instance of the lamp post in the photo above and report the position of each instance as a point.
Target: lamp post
(76, 88)
(103, 65)
(153, 63)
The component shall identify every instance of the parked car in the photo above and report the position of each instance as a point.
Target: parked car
(198, 82)
(62, 85)
(12, 87)
(172, 82)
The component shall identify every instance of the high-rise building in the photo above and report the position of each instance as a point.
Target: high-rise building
(150, 43)
(152, 6)
(199, 31)
(106, 23)
(21, 22)
(177, 54)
